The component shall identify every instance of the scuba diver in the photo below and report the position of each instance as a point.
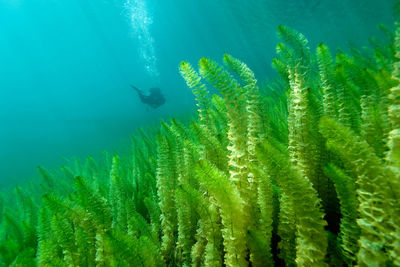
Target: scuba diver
(154, 99)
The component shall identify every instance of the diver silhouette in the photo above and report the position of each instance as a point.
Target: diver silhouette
(154, 99)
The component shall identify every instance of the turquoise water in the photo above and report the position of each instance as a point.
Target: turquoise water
(66, 66)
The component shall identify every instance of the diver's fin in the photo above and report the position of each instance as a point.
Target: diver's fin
(134, 87)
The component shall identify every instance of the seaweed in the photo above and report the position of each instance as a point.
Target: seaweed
(300, 171)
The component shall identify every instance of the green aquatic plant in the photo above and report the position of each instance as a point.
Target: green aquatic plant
(300, 171)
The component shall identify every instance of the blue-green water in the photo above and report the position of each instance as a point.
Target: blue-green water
(66, 66)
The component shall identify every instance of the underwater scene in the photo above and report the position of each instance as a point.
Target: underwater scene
(200, 133)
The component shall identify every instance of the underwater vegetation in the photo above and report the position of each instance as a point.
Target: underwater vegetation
(300, 171)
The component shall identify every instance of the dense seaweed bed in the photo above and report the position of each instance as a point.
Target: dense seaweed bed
(303, 170)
